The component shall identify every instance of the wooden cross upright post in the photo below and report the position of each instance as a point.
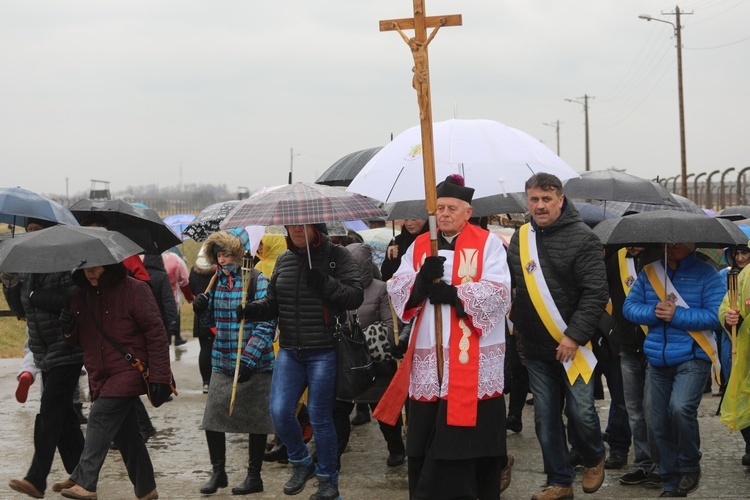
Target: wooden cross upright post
(421, 83)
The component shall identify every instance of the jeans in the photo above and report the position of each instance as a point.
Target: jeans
(637, 390)
(676, 392)
(618, 428)
(549, 383)
(314, 369)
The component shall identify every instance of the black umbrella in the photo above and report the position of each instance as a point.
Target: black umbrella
(739, 212)
(490, 205)
(593, 214)
(209, 220)
(18, 204)
(683, 205)
(345, 169)
(611, 185)
(64, 248)
(142, 225)
(669, 226)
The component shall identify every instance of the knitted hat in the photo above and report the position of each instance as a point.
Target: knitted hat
(453, 187)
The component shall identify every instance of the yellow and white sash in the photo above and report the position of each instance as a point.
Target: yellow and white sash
(628, 275)
(704, 338)
(584, 361)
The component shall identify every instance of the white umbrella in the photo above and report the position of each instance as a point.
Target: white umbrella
(492, 157)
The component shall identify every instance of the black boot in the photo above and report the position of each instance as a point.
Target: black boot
(217, 453)
(396, 448)
(253, 483)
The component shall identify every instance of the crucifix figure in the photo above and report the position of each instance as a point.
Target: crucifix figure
(421, 79)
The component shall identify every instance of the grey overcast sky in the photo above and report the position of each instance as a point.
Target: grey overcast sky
(173, 92)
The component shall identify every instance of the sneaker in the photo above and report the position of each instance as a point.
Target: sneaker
(301, 474)
(593, 477)
(205, 388)
(505, 474)
(361, 417)
(689, 482)
(25, 379)
(616, 461)
(554, 493)
(514, 423)
(636, 476)
(326, 490)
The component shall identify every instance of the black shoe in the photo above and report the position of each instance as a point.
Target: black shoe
(636, 476)
(79, 412)
(672, 494)
(252, 484)
(277, 454)
(746, 460)
(395, 459)
(530, 401)
(148, 434)
(689, 482)
(616, 461)
(326, 490)
(217, 480)
(514, 423)
(178, 340)
(301, 474)
(361, 417)
(575, 459)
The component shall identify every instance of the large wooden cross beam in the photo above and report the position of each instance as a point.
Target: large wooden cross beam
(421, 83)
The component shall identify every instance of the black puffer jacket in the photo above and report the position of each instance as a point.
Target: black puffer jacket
(162, 291)
(578, 287)
(307, 317)
(51, 293)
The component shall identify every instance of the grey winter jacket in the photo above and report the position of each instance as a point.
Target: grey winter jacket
(578, 283)
(307, 317)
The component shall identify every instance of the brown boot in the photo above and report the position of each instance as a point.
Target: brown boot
(152, 495)
(58, 487)
(78, 492)
(554, 493)
(505, 474)
(593, 477)
(25, 487)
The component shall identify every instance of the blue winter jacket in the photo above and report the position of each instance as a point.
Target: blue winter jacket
(669, 344)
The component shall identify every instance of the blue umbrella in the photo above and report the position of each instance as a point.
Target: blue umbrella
(18, 204)
(593, 214)
(178, 223)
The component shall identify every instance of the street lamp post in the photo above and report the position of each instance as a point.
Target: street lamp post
(678, 35)
(585, 105)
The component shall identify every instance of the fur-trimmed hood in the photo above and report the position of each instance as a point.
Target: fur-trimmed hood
(234, 242)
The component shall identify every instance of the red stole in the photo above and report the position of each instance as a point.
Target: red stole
(463, 344)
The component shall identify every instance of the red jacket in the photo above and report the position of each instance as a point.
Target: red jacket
(126, 310)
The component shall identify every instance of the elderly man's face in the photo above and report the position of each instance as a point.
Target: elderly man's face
(545, 206)
(452, 215)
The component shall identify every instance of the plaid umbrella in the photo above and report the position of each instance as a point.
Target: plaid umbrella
(683, 205)
(302, 203)
(208, 221)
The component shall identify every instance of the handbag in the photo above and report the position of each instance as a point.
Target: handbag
(376, 337)
(355, 370)
(156, 400)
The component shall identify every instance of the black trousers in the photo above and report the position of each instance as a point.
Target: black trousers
(56, 425)
(115, 419)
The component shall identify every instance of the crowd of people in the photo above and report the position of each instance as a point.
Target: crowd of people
(548, 313)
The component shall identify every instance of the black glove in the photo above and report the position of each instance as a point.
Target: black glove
(432, 269)
(245, 374)
(160, 394)
(67, 321)
(251, 312)
(316, 279)
(442, 293)
(399, 350)
(200, 303)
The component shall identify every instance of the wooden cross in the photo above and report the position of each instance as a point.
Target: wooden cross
(421, 83)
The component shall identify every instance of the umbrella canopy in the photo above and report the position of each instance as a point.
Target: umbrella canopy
(739, 212)
(208, 221)
(616, 186)
(345, 169)
(669, 226)
(302, 203)
(17, 204)
(492, 157)
(593, 214)
(142, 225)
(683, 205)
(64, 248)
(178, 223)
(482, 207)
(378, 238)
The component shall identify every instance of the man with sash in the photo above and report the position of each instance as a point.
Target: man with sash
(561, 292)
(678, 301)
(622, 270)
(456, 441)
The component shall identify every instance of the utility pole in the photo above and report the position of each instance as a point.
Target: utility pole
(557, 130)
(291, 163)
(585, 105)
